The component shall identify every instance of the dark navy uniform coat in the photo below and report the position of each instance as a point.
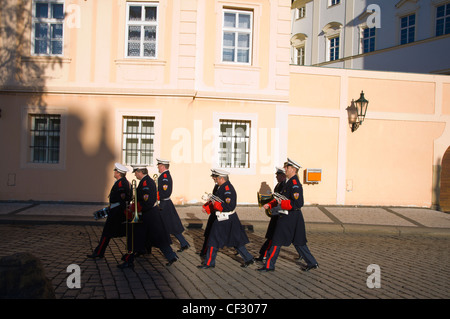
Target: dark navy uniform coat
(168, 212)
(290, 228)
(154, 231)
(229, 232)
(212, 216)
(120, 193)
(274, 218)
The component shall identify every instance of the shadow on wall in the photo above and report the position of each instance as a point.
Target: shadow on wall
(20, 73)
(265, 188)
(90, 173)
(436, 193)
(84, 176)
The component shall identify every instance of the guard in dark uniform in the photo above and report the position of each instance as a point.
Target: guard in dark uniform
(152, 229)
(208, 208)
(119, 196)
(281, 179)
(290, 228)
(227, 229)
(168, 211)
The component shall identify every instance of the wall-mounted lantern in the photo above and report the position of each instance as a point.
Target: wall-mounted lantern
(357, 112)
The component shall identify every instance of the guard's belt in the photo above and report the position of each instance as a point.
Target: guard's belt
(224, 215)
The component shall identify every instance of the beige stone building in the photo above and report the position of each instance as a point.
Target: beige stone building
(204, 83)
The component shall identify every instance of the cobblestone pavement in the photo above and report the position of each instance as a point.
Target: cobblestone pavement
(412, 266)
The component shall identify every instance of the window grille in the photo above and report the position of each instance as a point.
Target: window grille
(45, 132)
(234, 147)
(138, 140)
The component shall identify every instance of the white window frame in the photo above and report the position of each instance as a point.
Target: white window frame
(408, 27)
(236, 30)
(231, 139)
(299, 55)
(119, 137)
(445, 18)
(49, 21)
(329, 48)
(26, 156)
(332, 3)
(300, 12)
(142, 24)
(374, 37)
(44, 134)
(252, 145)
(140, 136)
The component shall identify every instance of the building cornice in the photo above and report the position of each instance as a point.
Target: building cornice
(397, 47)
(136, 92)
(299, 3)
(402, 2)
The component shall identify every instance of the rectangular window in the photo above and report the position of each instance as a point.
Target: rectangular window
(234, 142)
(443, 19)
(407, 29)
(334, 48)
(237, 36)
(368, 40)
(333, 2)
(142, 30)
(45, 132)
(300, 12)
(138, 140)
(300, 55)
(48, 25)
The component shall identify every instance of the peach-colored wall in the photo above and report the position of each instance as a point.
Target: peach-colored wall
(391, 158)
(295, 111)
(446, 99)
(316, 91)
(313, 142)
(86, 157)
(399, 96)
(392, 162)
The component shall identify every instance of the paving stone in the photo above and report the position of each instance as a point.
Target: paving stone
(412, 266)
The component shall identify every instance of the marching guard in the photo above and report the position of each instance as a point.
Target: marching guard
(208, 209)
(227, 229)
(119, 195)
(281, 179)
(290, 228)
(168, 211)
(152, 228)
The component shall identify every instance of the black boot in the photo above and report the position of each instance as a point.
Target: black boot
(128, 261)
(126, 264)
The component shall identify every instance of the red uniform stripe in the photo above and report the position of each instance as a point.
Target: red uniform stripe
(270, 258)
(101, 245)
(210, 255)
(268, 248)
